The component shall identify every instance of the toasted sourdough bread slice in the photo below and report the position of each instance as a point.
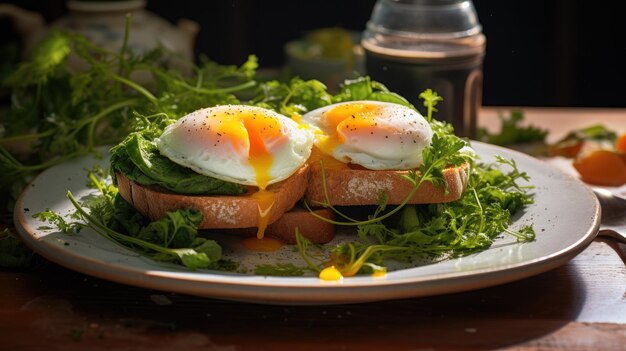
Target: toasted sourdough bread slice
(354, 187)
(219, 211)
(314, 229)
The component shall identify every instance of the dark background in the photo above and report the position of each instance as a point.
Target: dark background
(539, 52)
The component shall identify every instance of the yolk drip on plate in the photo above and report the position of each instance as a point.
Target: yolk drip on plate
(264, 244)
(339, 266)
(330, 273)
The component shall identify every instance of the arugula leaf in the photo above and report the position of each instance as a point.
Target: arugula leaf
(458, 228)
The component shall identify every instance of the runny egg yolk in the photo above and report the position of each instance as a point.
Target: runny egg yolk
(317, 157)
(348, 119)
(265, 201)
(256, 134)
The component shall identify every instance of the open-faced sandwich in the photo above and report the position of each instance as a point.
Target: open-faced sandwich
(248, 167)
(366, 149)
(243, 167)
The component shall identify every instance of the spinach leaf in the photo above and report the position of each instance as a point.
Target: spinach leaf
(148, 167)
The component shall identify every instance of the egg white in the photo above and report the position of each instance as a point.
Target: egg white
(393, 139)
(191, 142)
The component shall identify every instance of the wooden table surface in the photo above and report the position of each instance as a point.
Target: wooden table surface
(578, 306)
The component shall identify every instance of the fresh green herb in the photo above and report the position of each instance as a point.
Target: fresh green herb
(363, 88)
(458, 228)
(170, 239)
(58, 113)
(571, 144)
(303, 248)
(58, 221)
(295, 97)
(512, 132)
(595, 133)
(193, 257)
(299, 96)
(45, 63)
(431, 99)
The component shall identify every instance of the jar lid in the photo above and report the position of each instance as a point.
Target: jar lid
(427, 29)
(425, 19)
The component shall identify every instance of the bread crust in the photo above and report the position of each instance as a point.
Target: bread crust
(357, 187)
(219, 211)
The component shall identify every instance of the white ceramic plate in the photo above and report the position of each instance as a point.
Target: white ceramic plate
(565, 217)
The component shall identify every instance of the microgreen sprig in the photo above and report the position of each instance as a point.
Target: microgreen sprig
(431, 99)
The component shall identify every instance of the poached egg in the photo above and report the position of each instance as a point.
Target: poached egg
(375, 135)
(241, 144)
